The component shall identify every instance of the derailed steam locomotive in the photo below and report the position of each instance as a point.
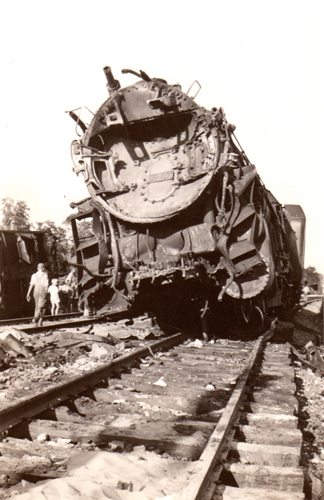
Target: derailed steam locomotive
(179, 214)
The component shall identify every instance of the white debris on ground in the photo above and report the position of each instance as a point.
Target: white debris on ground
(140, 475)
(52, 365)
(197, 344)
(311, 391)
(160, 382)
(16, 380)
(144, 475)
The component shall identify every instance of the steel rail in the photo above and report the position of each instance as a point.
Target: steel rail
(83, 321)
(17, 321)
(194, 488)
(17, 413)
(62, 324)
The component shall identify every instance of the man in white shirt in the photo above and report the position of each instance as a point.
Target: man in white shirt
(39, 283)
(306, 291)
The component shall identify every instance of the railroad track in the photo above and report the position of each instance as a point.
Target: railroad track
(262, 457)
(222, 413)
(69, 320)
(27, 320)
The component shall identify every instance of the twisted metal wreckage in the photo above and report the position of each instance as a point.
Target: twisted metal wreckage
(178, 211)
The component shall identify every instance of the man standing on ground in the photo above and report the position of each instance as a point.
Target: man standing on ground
(39, 283)
(306, 291)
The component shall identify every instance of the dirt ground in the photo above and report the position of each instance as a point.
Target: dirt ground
(99, 473)
(309, 327)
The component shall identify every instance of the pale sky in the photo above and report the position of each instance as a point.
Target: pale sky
(261, 61)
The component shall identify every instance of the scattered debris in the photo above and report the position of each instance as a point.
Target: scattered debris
(312, 357)
(3, 480)
(160, 382)
(125, 486)
(10, 344)
(197, 343)
(42, 438)
(98, 352)
(308, 331)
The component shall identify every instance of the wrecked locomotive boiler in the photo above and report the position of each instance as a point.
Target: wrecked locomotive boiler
(179, 214)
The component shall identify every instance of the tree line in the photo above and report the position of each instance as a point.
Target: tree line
(16, 217)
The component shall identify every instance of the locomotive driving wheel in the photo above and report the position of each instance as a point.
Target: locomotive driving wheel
(243, 310)
(249, 317)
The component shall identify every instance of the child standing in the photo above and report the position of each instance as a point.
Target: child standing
(54, 296)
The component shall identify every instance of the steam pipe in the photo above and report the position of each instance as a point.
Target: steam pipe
(112, 84)
(141, 74)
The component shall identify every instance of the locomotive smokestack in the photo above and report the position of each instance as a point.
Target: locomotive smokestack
(112, 84)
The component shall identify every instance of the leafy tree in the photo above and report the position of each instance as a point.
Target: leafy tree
(84, 228)
(312, 276)
(56, 240)
(15, 215)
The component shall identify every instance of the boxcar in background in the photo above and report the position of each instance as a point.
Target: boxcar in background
(20, 252)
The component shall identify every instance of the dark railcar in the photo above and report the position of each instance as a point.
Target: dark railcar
(20, 252)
